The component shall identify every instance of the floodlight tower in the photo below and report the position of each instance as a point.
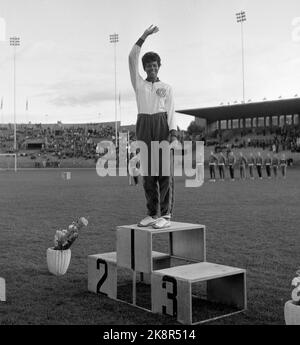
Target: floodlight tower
(14, 42)
(241, 17)
(114, 38)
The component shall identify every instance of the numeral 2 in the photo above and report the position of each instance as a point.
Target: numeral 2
(104, 276)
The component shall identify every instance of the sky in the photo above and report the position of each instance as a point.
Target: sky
(65, 63)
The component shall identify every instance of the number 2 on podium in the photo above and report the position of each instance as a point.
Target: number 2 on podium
(103, 278)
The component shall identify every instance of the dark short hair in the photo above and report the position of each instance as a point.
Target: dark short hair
(150, 57)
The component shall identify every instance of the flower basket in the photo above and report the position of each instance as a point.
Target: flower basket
(59, 256)
(58, 261)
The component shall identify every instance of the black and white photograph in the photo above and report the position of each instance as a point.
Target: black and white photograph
(149, 165)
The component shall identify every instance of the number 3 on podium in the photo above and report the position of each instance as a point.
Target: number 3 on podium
(170, 295)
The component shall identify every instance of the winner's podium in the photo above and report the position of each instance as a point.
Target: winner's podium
(176, 281)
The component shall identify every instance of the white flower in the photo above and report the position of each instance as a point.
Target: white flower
(296, 281)
(59, 235)
(84, 221)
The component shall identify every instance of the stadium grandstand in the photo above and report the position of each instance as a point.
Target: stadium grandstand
(252, 124)
(49, 145)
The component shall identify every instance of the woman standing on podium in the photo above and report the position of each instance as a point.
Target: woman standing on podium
(155, 122)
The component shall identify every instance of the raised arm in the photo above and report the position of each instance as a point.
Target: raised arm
(151, 30)
(135, 53)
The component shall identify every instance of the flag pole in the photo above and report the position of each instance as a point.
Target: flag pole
(128, 158)
(26, 110)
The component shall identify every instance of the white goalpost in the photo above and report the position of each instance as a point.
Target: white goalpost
(8, 161)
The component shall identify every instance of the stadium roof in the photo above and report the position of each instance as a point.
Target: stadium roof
(246, 110)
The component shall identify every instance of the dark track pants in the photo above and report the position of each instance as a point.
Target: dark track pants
(242, 172)
(221, 172)
(159, 190)
(212, 172)
(231, 171)
(251, 171)
(258, 167)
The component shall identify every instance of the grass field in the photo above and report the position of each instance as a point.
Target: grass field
(250, 224)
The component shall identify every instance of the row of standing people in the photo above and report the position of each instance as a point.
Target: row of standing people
(242, 162)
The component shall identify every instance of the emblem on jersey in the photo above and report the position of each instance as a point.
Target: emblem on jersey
(161, 92)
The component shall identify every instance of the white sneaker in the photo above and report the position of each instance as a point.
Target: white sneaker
(147, 221)
(161, 223)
